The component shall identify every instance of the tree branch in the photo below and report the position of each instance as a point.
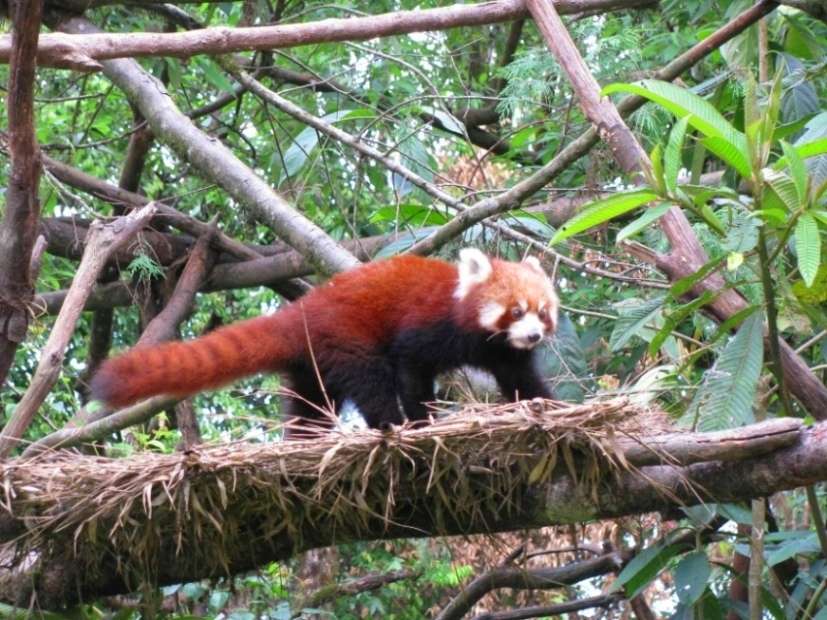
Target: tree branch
(85, 53)
(18, 228)
(558, 609)
(218, 163)
(527, 579)
(512, 198)
(259, 495)
(104, 240)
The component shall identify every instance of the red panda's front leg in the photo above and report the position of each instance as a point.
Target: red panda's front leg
(519, 380)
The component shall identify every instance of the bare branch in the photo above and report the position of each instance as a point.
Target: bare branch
(218, 163)
(18, 228)
(88, 51)
(527, 579)
(104, 240)
(559, 609)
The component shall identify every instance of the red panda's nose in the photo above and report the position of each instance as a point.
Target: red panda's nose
(534, 338)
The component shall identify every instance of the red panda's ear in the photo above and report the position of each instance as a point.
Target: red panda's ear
(534, 263)
(474, 268)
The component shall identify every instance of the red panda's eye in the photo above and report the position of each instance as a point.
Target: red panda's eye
(517, 312)
(543, 315)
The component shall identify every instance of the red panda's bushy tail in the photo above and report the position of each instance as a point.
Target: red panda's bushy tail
(184, 368)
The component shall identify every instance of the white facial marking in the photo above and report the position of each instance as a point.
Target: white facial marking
(474, 268)
(527, 332)
(490, 314)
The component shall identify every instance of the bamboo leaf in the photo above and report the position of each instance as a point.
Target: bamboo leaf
(602, 211)
(807, 247)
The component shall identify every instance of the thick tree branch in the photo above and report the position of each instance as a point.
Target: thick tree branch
(258, 535)
(218, 163)
(104, 239)
(18, 228)
(87, 51)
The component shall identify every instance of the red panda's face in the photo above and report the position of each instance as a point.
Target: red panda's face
(516, 299)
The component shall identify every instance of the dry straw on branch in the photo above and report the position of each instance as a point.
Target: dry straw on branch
(464, 468)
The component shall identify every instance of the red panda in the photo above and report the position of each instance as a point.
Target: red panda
(377, 335)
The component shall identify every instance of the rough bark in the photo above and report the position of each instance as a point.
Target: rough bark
(18, 228)
(557, 500)
(217, 162)
(87, 52)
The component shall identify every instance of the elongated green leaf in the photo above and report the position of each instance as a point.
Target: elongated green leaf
(784, 187)
(602, 211)
(691, 576)
(672, 155)
(650, 215)
(798, 170)
(681, 102)
(684, 285)
(674, 319)
(643, 568)
(632, 321)
(656, 157)
(303, 144)
(729, 153)
(807, 247)
(726, 396)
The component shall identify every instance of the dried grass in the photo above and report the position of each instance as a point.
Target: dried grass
(206, 502)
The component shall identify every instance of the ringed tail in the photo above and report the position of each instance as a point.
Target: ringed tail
(183, 368)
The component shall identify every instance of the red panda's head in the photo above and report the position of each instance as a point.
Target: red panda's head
(516, 299)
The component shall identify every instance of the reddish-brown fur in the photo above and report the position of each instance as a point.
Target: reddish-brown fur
(383, 329)
(360, 307)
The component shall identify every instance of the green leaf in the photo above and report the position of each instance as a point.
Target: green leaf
(675, 318)
(215, 75)
(632, 320)
(563, 362)
(726, 396)
(643, 568)
(729, 153)
(635, 226)
(784, 187)
(681, 102)
(303, 144)
(684, 285)
(691, 576)
(807, 247)
(672, 155)
(803, 542)
(656, 157)
(602, 211)
(742, 234)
